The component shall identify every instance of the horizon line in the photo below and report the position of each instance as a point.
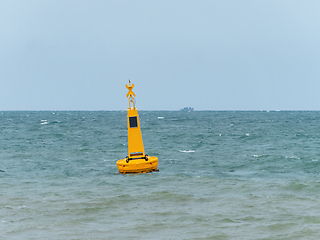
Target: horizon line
(203, 110)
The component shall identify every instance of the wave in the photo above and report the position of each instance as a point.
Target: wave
(187, 151)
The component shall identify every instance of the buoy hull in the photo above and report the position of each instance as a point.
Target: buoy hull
(138, 165)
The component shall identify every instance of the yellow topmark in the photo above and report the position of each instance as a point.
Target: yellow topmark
(136, 161)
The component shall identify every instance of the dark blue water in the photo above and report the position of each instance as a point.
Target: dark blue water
(223, 175)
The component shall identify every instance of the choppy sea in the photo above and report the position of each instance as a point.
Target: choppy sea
(223, 175)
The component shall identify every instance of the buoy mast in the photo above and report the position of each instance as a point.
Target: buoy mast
(135, 143)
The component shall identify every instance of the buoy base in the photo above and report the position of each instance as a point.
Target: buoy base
(141, 165)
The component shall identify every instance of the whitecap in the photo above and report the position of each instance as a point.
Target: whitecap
(44, 122)
(160, 117)
(186, 151)
(256, 155)
(247, 134)
(293, 157)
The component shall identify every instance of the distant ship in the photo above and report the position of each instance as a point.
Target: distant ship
(187, 109)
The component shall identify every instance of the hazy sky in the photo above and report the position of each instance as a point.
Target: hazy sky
(207, 54)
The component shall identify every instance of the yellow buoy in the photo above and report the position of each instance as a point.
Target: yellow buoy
(136, 161)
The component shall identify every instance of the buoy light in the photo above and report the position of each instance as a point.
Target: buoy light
(136, 161)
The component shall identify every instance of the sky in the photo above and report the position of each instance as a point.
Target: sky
(207, 54)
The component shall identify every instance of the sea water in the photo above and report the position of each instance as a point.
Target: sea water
(223, 175)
